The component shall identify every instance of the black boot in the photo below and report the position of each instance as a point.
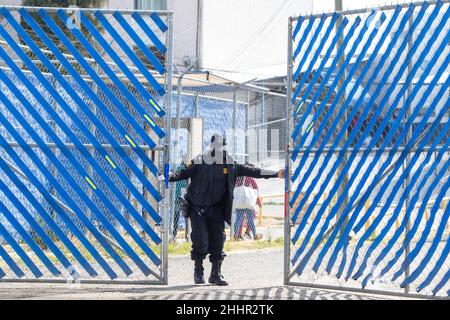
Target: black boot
(198, 272)
(216, 275)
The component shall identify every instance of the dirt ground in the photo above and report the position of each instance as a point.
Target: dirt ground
(256, 274)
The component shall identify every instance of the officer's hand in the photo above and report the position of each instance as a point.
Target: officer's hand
(282, 173)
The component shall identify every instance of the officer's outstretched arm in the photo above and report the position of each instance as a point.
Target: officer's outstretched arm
(183, 173)
(254, 172)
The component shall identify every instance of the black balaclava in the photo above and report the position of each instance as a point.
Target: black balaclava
(218, 144)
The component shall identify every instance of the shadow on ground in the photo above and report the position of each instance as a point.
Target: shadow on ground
(188, 292)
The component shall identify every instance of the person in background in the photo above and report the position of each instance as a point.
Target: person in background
(246, 217)
(180, 188)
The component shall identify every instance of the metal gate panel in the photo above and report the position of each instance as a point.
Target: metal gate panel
(83, 121)
(366, 205)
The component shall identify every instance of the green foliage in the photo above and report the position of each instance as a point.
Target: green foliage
(68, 33)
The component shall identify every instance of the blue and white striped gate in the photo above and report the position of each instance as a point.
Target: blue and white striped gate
(83, 94)
(367, 202)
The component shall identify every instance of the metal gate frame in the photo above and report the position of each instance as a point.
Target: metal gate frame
(288, 273)
(164, 147)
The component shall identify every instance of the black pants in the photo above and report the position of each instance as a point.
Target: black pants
(208, 232)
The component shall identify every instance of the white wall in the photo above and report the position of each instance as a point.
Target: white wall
(352, 4)
(185, 28)
(119, 4)
(185, 25)
(10, 2)
(327, 5)
(249, 36)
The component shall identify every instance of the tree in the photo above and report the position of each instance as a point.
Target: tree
(67, 32)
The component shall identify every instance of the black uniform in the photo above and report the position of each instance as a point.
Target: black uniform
(210, 194)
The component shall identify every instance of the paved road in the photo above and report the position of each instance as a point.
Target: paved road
(253, 275)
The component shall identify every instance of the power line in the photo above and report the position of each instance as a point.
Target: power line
(247, 73)
(257, 34)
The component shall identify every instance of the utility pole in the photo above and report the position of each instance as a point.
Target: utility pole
(198, 48)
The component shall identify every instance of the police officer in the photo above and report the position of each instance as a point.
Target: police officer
(212, 177)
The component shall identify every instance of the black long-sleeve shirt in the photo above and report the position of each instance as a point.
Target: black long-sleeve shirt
(210, 182)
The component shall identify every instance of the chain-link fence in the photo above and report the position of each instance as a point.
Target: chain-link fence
(252, 119)
(201, 108)
(83, 99)
(369, 190)
(267, 133)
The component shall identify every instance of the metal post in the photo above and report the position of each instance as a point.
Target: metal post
(166, 193)
(196, 106)
(178, 109)
(262, 116)
(408, 156)
(339, 172)
(234, 122)
(247, 157)
(92, 127)
(55, 128)
(177, 161)
(262, 132)
(177, 115)
(233, 144)
(287, 180)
